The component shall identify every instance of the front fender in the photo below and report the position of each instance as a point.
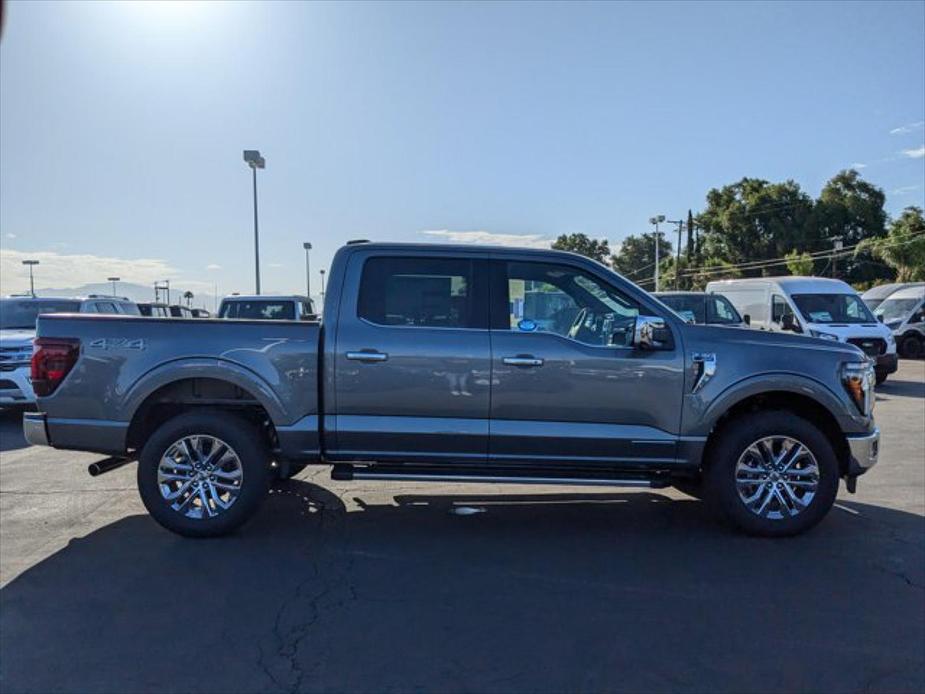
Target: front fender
(218, 369)
(704, 413)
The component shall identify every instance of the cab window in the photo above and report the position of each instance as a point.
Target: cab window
(568, 302)
(420, 293)
(779, 308)
(105, 307)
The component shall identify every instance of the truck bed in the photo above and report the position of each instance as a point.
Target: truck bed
(126, 361)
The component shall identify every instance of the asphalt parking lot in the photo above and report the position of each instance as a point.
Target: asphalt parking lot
(400, 587)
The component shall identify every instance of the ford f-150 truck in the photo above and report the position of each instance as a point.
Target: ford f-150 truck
(471, 364)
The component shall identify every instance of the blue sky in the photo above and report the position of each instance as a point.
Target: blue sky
(122, 124)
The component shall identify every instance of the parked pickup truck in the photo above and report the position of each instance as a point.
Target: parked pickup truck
(469, 364)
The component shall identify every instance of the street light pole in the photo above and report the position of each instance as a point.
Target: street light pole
(255, 161)
(31, 264)
(308, 271)
(113, 280)
(656, 220)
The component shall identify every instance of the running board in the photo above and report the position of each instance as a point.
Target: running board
(348, 473)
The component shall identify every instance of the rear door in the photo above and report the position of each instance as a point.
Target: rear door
(568, 388)
(412, 359)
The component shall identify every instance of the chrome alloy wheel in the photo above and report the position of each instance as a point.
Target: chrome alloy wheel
(200, 476)
(777, 477)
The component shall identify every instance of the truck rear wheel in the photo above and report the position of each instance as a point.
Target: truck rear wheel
(203, 474)
(772, 474)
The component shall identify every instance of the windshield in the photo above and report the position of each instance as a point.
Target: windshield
(832, 308)
(258, 309)
(22, 314)
(896, 309)
(711, 309)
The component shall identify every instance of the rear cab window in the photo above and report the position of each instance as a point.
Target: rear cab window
(425, 292)
(258, 309)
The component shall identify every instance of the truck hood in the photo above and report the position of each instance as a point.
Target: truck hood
(767, 338)
(16, 337)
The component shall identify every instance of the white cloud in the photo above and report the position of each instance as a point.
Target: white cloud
(908, 128)
(905, 190)
(915, 153)
(858, 165)
(490, 238)
(58, 270)
(11, 236)
(213, 266)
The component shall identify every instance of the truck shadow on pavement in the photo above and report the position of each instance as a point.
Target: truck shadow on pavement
(914, 389)
(492, 592)
(11, 436)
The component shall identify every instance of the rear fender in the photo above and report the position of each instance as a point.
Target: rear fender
(218, 369)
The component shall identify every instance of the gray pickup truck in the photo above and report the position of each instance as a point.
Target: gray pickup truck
(471, 364)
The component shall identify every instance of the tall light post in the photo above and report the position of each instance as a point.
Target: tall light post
(322, 286)
(31, 264)
(656, 220)
(113, 280)
(308, 270)
(255, 161)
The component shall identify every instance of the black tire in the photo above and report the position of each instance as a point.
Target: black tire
(734, 438)
(911, 347)
(881, 377)
(241, 436)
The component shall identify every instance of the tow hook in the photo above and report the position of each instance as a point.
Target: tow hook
(851, 483)
(107, 465)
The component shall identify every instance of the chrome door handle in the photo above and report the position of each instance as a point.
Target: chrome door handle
(367, 356)
(522, 361)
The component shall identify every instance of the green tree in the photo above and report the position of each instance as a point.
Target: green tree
(850, 209)
(636, 257)
(799, 263)
(188, 295)
(754, 220)
(580, 243)
(713, 268)
(903, 248)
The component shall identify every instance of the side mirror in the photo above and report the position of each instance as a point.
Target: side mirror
(747, 319)
(786, 321)
(880, 317)
(650, 333)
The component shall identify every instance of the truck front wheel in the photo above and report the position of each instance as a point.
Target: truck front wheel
(203, 474)
(772, 473)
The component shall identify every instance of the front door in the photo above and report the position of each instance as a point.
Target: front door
(568, 386)
(412, 371)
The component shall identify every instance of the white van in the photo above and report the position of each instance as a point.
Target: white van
(813, 306)
(903, 312)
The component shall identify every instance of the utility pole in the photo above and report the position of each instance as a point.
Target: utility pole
(656, 220)
(837, 245)
(113, 280)
(677, 262)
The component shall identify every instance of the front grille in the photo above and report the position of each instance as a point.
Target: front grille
(13, 357)
(871, 346)
(7, 385)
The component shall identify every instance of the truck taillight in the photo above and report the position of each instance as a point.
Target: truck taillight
(52, 360)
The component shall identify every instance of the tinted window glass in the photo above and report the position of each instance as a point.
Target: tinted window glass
(418, 292)
(129, 309)
(105, 307)
(833, 308)
(569, 302)
(686, 306)
(779, 308)
(258, 309)
(719, 310)
(22, 313)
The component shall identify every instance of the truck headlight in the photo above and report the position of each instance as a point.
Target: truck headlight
(858, 379)
(824, 336)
